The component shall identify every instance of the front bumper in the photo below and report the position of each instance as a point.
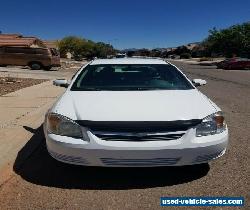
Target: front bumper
(187, 150)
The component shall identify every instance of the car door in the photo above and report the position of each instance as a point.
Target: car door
(12, 56)
(1, 56)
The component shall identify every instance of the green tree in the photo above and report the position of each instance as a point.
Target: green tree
(71, 44)
(232, 41)
(80, 48)
(181, 50)
(101, 50)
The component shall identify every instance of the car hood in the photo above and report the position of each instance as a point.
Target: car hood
(162, 105)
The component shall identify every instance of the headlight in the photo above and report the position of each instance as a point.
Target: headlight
(212, 124)
(61, 125)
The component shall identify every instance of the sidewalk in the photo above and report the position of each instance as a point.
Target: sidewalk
(22, 112)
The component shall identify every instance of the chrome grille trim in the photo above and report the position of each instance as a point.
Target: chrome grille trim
(125, 136)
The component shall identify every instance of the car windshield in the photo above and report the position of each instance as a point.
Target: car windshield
(130, 77)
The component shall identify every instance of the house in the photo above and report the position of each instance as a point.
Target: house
(51, 43)
(10, 36)
(17, 40)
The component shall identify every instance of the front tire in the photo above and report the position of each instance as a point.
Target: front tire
(35, 66)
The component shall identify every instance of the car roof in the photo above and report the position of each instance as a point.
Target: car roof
(128, 61)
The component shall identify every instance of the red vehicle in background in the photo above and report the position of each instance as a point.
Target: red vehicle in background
(234, 63)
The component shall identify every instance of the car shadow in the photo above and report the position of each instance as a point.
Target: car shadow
(34, 164)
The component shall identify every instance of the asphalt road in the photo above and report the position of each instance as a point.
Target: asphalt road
(43, 183)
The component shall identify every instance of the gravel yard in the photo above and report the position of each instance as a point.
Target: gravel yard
(11, 84)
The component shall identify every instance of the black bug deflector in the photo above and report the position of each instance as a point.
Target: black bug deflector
(139, 126)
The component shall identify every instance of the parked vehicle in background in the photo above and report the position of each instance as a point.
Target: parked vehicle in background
(120, 55)
(35, 58)
(234, 63)
(174, 56)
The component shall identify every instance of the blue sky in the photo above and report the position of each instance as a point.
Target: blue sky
(125, 24)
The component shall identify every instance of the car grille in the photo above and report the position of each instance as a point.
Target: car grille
(138, 136)
(140, 162)
(139, 130)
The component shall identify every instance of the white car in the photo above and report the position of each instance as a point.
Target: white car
(132, 112)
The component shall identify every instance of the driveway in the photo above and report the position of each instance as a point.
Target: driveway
(40, 182)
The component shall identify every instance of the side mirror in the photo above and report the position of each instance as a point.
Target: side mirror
(61, 83)
(199, 82)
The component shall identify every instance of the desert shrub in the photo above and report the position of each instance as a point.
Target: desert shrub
(185, 55)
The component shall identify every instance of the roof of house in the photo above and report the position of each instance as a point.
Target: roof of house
(50, 43)
(16, 42)
(20, 41)
(10, 36)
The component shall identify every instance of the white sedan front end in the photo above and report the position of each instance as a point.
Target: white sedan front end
(165, 126)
